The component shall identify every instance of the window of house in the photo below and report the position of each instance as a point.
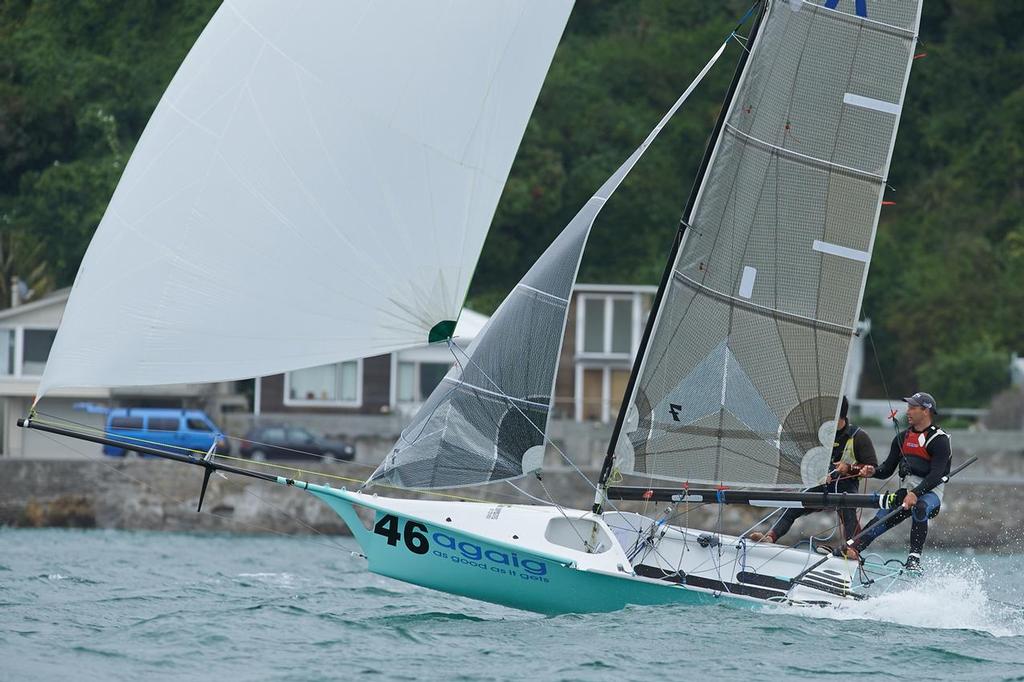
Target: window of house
(431, 374)
(601, 392)
(607, 324)
(618, 379)
(622, 326)
(406, 379)
(417, 380)
(37, 348)
(7, 351)
(593, 394)
(593, 325)
(334, 384)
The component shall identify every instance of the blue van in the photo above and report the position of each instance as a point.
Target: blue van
(176, 430)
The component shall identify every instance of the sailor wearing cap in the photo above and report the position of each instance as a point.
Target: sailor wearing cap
(922, 454)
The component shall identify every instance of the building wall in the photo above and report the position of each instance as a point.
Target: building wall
(590, 385)
(376, 392)
(376, 384)
(26, 443)
(43, 313)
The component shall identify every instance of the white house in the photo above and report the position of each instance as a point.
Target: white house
(26, 334)
(384, 384)
(392, 383)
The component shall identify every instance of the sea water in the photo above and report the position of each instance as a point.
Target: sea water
(112, 605)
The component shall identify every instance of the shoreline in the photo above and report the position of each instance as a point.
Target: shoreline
(154, 495)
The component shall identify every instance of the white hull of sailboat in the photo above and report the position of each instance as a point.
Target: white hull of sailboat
(731, 565)
(536, 557)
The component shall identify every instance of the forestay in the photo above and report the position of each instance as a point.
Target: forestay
(315, 185)
(487, 420)
(745, 363)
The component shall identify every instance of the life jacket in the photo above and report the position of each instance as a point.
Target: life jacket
(916, 444)
(842, 448)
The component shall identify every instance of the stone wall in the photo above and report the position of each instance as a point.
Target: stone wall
(983, 505)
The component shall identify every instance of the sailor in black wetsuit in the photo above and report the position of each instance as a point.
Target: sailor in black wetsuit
(853, 456)
(923, 455)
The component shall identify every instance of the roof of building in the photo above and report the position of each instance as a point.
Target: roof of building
(57, 297)
(470, 324)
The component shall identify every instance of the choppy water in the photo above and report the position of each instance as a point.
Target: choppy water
(106, 605)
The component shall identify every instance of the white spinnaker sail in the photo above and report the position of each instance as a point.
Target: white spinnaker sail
(315, 185)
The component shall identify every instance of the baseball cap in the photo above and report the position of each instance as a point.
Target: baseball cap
(924, 400)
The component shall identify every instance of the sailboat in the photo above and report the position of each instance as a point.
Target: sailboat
(358, 153)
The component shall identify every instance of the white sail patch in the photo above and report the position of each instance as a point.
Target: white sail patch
(747, 282)
(871, 103)
(690, 401)
(841, 251)
(814, 465)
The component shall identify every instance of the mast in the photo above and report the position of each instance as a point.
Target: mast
(606, 468)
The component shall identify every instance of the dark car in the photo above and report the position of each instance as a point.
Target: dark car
(274, 442)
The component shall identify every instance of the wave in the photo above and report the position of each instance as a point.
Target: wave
(949, 596)
(274, 579)
(428, 617)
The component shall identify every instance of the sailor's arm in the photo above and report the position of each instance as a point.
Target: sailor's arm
(889, 465)
(864, 452)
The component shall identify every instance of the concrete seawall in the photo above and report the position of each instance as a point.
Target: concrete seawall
(983, 507)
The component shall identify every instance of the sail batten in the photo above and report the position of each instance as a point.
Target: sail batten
(686, 281)
(797, 156)
(743, 369)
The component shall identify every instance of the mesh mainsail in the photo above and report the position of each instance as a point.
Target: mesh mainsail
(744, 366)
(487, 419)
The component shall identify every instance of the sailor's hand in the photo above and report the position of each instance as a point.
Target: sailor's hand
(910, 500)
(843, 469)
(867, 471)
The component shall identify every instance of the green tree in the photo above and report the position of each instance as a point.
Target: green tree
(968, 376)
(78, 81)
(23, 258)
